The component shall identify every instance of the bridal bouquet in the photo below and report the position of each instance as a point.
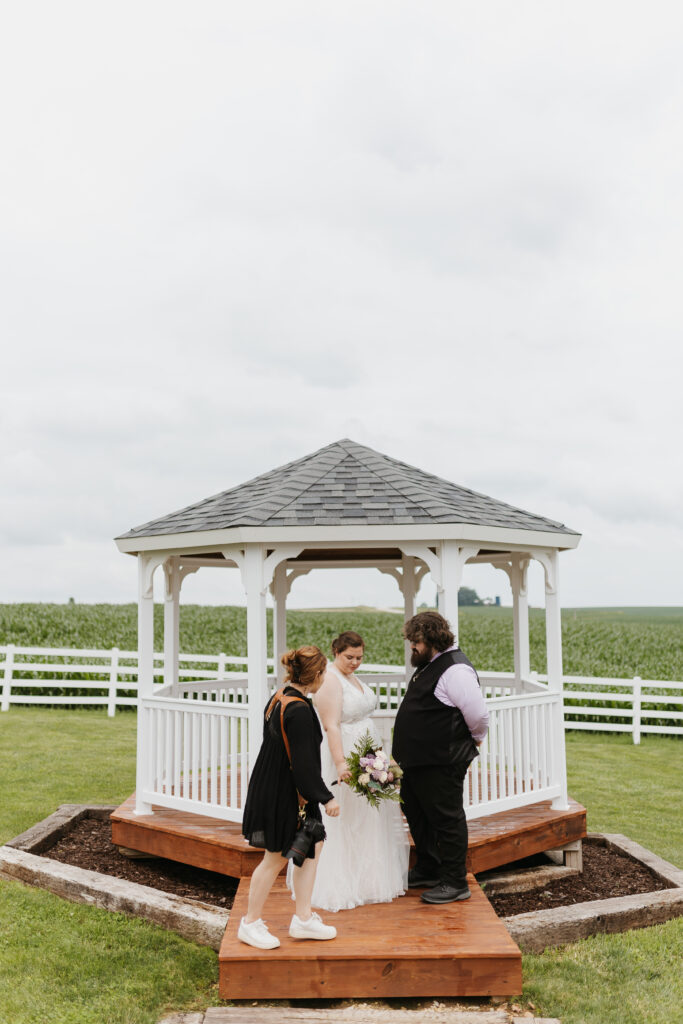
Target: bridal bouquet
(374, 774)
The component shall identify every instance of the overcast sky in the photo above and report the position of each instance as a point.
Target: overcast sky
(233, 233)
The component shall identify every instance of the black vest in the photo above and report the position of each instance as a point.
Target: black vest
(427, 731)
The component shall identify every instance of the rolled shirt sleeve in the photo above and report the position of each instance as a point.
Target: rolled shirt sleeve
(459, 688)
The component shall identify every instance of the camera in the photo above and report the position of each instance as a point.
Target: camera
(312, 831)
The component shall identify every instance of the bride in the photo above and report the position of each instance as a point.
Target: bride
(365, 857)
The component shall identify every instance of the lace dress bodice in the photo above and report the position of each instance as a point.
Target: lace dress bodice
(357, 705)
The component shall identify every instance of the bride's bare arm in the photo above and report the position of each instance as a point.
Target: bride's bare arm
(328, 701)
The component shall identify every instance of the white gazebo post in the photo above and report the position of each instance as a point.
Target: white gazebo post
(520, 620)
(453, 558)
(409, 589)
(553, 638)
(171, 622)
(253, 578)
(146, 567)
(279, 588)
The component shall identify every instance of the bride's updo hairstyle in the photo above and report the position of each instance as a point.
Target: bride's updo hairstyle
(347, 639)
(304, 665)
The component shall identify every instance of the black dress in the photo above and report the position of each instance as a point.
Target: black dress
(271, 810)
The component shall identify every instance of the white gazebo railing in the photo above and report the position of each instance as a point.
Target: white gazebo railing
(197, 754)
(198, 744)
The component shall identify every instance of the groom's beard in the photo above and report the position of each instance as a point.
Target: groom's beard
(418, 660)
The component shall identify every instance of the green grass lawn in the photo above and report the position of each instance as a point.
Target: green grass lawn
(635, 977)
(72, 964)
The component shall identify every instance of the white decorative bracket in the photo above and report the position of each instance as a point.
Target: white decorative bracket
(290, 576)
(280, 554)
(390, 570)
(465, 552)
(294, 575)
(516, 571)
(237, 556)
(149, 564)
(172, 567)
(548, 561)
(426, 555)
(186, 570)
(420, 573)
(523, 566)
(507, 567)
(268, 564)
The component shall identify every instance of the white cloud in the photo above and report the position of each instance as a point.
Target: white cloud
(451, 233)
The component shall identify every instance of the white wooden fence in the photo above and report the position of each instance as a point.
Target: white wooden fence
(109, 678)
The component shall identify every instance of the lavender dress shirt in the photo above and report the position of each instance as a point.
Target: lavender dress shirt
(458, 688)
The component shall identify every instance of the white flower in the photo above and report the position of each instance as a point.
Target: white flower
(383, 777)
(380, 753)
(379, 764)
(363, 779)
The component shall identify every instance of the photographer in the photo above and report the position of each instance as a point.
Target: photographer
(286, 775)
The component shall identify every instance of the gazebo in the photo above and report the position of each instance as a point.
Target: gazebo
(344, 506)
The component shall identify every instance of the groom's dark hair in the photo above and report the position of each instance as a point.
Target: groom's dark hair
(429, 628)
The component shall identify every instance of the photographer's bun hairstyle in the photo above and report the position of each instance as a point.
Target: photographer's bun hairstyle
(347, 639)
(304, 665)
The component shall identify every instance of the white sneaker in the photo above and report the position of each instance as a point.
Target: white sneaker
(311, 929)
(256, 934)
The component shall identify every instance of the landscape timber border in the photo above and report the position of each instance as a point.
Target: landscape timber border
(205, 924)
(20, 860)
(362, 1013)
(541, 929)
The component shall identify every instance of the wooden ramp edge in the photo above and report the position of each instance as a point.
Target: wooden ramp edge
(398, 949)
(218, 845)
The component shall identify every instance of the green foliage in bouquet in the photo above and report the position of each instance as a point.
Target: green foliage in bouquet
(374, 774)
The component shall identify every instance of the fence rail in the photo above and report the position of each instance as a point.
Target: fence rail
(88, 676)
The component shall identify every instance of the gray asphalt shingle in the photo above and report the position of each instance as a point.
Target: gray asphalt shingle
(344, 484)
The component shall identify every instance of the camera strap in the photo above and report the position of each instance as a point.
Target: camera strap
(284, 702)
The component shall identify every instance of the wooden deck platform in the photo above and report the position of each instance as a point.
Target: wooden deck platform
(399, 949)
(404, 948)
(219, 846)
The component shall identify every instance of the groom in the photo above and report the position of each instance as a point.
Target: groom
(439, 725)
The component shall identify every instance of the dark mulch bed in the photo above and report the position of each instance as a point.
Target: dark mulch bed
(88, 845)
(606, 873)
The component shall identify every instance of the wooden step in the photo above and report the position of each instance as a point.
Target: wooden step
(398, 949)
(219, 845)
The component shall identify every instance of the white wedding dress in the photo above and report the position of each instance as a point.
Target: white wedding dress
(365, 856)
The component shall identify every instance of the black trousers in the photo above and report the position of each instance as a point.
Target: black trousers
(432, 803)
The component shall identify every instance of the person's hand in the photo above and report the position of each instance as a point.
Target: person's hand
(332, 808)
(343, 772)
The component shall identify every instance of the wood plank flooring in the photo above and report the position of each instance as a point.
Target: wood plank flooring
(402, 948)
(219, 846)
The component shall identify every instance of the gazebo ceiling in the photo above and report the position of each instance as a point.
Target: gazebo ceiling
(346, 485)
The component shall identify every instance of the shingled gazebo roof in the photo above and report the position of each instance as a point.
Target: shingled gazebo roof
(345, 484)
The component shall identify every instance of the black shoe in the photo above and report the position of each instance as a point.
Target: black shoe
(418, 881)
(445, 893)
